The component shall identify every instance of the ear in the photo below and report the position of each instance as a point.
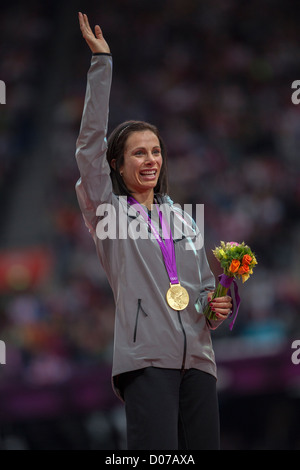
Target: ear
(113, 163)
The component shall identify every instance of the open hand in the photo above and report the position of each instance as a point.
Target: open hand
(95, 41)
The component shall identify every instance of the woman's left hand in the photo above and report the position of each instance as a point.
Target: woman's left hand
(221, 306)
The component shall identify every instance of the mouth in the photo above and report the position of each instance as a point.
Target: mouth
(149, 174)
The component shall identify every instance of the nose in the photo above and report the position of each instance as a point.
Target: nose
(150, 159)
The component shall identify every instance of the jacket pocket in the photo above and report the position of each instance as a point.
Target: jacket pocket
(139, 309)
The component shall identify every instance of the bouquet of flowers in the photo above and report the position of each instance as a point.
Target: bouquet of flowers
(237, 261)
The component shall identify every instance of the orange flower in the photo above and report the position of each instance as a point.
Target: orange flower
(246, 259)
(243, 269)
(235, 264)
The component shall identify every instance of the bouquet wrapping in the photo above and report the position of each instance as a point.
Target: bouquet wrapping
(237, 261)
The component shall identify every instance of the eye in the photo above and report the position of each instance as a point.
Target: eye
(139, 153)
(156, 151)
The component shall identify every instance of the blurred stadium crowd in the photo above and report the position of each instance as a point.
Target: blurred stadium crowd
(215, 77)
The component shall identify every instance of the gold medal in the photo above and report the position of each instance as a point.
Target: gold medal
(177, 297)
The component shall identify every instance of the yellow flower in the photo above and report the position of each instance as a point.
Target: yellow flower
(245, 276)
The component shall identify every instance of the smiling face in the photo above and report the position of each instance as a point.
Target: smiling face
(142, 162)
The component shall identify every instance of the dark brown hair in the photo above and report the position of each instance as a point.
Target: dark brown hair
(115, 150)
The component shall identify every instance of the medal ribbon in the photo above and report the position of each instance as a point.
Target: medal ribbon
(166, 245)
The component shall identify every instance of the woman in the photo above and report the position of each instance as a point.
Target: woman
(163, 362)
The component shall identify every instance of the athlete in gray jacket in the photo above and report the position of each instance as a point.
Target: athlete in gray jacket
(163, 361)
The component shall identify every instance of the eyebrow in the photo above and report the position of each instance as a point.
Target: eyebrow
(144, 148)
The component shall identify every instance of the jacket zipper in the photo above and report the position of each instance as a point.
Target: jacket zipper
(184, 343)
(139, 308)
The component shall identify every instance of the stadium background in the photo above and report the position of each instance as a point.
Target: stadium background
(216, 77)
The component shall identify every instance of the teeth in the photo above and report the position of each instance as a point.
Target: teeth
(148, 172)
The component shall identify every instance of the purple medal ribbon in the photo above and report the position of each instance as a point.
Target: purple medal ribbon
(166, 245)
(226, 282)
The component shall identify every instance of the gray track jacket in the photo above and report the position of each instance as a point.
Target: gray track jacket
(147, 331)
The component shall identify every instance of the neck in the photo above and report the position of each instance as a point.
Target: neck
(146, 199)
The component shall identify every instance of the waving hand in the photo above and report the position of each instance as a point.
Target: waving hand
(95, 41)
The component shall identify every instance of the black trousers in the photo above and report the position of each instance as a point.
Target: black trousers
(170, 409)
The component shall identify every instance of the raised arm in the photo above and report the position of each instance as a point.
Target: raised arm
(94, 185)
